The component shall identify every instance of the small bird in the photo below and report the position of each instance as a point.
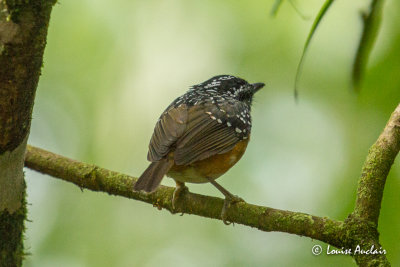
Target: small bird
(200, 136)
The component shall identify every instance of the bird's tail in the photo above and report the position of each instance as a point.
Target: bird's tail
(152, 176)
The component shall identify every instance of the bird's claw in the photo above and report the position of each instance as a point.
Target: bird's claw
(179, 190)
(229, 200)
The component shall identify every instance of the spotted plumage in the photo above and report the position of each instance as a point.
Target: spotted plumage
(201, 134)
(225, 98)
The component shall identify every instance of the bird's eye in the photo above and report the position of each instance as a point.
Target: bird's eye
(245, 95)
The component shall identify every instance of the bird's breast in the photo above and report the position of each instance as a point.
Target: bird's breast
(212, 167)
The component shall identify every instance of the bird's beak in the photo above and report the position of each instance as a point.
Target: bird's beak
(257, 86)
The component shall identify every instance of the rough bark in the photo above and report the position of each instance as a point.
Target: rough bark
(23, 30)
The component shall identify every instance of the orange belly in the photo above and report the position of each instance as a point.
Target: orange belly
(212, 167)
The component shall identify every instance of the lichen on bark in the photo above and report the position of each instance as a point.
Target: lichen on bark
(23, 30)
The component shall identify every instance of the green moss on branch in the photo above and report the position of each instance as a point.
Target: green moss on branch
(99, 179)
(23, 31)
(359, 229)
(375, 170)
(11, 233)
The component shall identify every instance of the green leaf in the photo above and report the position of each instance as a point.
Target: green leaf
(317, 20)
(275, 7)
(372, 21)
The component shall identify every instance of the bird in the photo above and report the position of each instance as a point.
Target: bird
(200, 136)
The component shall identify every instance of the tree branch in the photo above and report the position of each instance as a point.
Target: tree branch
(98, 179)
(375, 170)
(359, 229)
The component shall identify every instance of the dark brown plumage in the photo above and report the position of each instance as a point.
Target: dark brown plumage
(201, 135)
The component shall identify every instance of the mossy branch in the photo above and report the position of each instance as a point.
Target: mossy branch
(375, 170)
(98, 179)
(360, 228)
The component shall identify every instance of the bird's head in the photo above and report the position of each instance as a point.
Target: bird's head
(231, 87)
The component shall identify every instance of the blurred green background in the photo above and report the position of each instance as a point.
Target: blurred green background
(110, 69)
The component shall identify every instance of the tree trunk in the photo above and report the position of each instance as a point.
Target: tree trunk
(23, 30)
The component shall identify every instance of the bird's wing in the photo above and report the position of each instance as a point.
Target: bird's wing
(169, 128)
(198, 132)
(211, 130)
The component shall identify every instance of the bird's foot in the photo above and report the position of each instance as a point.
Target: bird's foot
(180, 189)
(229, 200)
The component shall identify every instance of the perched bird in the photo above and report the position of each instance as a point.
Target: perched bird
(200, 136)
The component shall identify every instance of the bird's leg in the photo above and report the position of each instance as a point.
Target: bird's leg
(180, 188)
(229, 200)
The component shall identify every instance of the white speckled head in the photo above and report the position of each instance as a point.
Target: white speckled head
(228, 100)
(228, 86)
